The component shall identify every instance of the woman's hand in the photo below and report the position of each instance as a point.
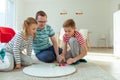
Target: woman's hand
(18, 66)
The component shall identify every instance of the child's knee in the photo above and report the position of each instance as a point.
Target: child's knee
(72, 40)
(28, 62)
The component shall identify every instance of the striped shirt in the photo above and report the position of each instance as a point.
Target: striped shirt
(41, 41)
(17, 45)
(78, 37)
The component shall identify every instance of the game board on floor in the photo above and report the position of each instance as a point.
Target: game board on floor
(49, 70)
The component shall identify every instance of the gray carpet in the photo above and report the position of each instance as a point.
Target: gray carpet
(85, 71)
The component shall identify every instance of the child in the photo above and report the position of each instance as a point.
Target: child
(75, 41)
(21, 41)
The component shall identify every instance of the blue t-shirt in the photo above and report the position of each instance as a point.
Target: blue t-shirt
(41, 41)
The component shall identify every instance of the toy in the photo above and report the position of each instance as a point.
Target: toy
(60, 64)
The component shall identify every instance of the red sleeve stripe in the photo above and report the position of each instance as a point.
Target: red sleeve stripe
(79, 38)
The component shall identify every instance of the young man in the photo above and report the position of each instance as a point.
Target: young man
(45, 51)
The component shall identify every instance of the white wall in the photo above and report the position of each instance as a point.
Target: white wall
(117, 33)
(19, 14)
(97, 17)
(115, 6)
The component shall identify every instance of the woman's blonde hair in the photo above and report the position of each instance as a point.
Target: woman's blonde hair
(29, 21)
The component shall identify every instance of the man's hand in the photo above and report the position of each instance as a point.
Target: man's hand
(60, 58)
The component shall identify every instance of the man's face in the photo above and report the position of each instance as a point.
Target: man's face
(41, 21)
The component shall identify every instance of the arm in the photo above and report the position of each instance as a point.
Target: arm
(55, 44)
(29, 50)
(54, 41)
(64, 49)
(82, 54)
(62, 58)
(16, 50)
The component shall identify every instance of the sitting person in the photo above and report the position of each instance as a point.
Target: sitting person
(21, 41)
(76, 43)
(44, 50)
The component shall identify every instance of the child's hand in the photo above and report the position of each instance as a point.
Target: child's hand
(71, 60)
(18, 66)
(60, 58)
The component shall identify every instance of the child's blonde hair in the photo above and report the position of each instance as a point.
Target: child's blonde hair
(69, 23)
(29, 21)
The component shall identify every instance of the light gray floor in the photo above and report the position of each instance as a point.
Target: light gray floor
(102, 57)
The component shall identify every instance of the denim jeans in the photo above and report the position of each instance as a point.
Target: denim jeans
(48, 55)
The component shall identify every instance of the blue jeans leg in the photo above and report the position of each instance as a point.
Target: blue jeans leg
(48, 55)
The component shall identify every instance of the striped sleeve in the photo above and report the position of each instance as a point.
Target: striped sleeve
(79, 38)
(64, 38)
(16, 48)
(29, 50)
(51, 32)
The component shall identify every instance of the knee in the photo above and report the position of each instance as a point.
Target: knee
(72, 40)
(28, 62)
(46, 57)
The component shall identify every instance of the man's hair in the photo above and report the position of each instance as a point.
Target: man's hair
(40, 13)
(69, 23)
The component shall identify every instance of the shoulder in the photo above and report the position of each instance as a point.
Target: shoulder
(49, 30)
(77, 33)
(19, 34)
(18, 37)
(65, 36)
(48, 26)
